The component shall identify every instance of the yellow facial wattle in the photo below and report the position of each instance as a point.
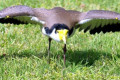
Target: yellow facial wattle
(63, 34)
(7, 16)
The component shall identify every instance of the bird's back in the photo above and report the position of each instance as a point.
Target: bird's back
(55, 16)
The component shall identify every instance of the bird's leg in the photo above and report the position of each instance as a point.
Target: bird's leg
(49, 50)
(64, 50)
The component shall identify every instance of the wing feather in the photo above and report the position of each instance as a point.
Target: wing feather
(98, 18)
(21, 13)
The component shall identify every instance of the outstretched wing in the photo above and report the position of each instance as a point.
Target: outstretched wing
(97, 18)
(21, 13)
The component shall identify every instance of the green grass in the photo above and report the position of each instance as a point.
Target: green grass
(89, 57)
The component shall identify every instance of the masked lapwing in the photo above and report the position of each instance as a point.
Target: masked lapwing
(58, 23)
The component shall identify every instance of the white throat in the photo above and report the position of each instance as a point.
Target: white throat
(53, 35)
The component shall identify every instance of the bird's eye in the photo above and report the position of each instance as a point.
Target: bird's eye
(46, 28)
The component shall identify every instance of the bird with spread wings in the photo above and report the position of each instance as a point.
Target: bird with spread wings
(58, 23)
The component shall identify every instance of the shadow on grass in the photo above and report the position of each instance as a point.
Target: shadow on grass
(25, 53)
(87, 57)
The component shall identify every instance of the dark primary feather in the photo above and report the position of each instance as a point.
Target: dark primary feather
(106, 28)
(11, 21)
(18, 20)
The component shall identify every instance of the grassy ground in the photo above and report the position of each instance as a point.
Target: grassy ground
(89, 57)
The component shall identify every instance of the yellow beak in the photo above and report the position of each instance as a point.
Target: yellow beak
(63, 35)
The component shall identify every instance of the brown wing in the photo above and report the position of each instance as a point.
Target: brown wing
(21, 13)
(97, 18)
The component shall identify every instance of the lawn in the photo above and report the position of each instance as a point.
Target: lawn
(23, 48)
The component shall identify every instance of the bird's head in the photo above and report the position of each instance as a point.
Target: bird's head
(58, 32)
